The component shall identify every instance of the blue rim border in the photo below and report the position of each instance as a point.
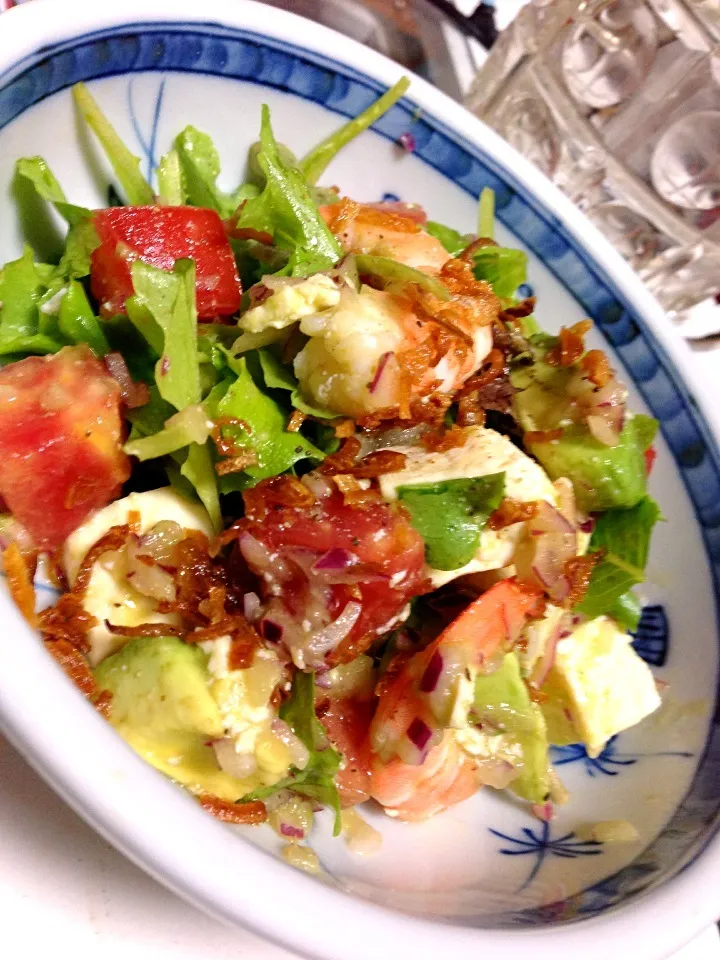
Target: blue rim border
(210, 48)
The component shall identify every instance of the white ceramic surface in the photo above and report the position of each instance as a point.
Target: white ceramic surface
(454, 867)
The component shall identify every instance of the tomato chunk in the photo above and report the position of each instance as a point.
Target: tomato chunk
(160, 236)
(336, 576)
(650, 457)
(60, 442)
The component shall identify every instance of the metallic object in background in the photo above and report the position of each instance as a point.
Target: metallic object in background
(618, 102)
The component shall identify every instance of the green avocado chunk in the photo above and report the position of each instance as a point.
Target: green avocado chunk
(163, 708)
(502, 700)
(603, 477)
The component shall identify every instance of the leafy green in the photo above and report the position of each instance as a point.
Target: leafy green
(626, 610)
(171, 189)
(624, 535)
(316, 780)
(275, 448)
(200, 168)
(503, 703)
(151, 417)
(179, 431)
(313, 164)
(22, 327)
(141, 317)
(286, 210)
(504, 268)
(138, 191)
(279, 376)
(36, 170)
(77, 321)
(451, 514)
(486, 214)
(453, 241)
(170, 298)
(603, 477)
(198, 468)
(393, 272)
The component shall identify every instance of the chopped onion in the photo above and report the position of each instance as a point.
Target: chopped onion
(602, 431)
(545, 663)
(336, 632)
(496, 773)
(235, 764)
(133, 394)
(160, 542)
(419, 734)
(336, 559)
(147, 576)
(541, 557)
(288, 830)
(543, 811)
(298, 751)
(382, 363)
(251, 606)
(430, 677)
(318, 484)
(271, 631)
(194, 421)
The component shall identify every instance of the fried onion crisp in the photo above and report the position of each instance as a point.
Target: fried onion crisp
(571, 345)
(76, 667)
(578, 571)
(511, 511)
(19, 579)
(244, 813)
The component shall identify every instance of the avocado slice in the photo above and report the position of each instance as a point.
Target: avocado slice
(163, 708)
(502, 700)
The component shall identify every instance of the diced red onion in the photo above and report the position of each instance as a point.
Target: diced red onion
(288, 830)
(543, 811)
(587, 526)
(271, 631)
(251, 606)
(602, 431)
(235, 764)
(541, 559)
(133, 394)
(496, 773)
(336, 559)
(382, 363)
(407, 142)
(419, 734)
(430, 677)
(545, 663)
(336, 632)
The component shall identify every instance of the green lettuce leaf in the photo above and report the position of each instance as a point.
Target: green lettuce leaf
(624, 535)
(150, 418)
(287, 211)
(275, 448)
(23, 329)
(200, 167)
(316, 780)
(279, 376)
(453, 241)
(504, 268)
(626, 611)
(171, 188)
(178, 431)
(126, 165)
(170, 298)
(199, 469)
(77, 321)
(451, 514)
(486, 213)
(314, 164)
(36, 170)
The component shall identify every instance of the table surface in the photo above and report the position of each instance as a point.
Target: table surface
(60, 882)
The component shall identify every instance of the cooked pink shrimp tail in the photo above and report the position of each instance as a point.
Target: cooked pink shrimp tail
(418, 767)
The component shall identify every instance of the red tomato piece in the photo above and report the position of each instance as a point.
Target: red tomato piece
(160, 236)
(650, 457)
(317, 558)
(60, 442)
(347, 722)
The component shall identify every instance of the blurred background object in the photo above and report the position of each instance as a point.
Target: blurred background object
(618, 102)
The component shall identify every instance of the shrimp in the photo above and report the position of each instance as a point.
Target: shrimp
(427, 698)
(384, 230)
(418, 791)
(381, 353)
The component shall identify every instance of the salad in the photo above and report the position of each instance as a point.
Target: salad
(332, 519)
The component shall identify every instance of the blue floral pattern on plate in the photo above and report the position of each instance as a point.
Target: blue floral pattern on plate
(540, 844)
